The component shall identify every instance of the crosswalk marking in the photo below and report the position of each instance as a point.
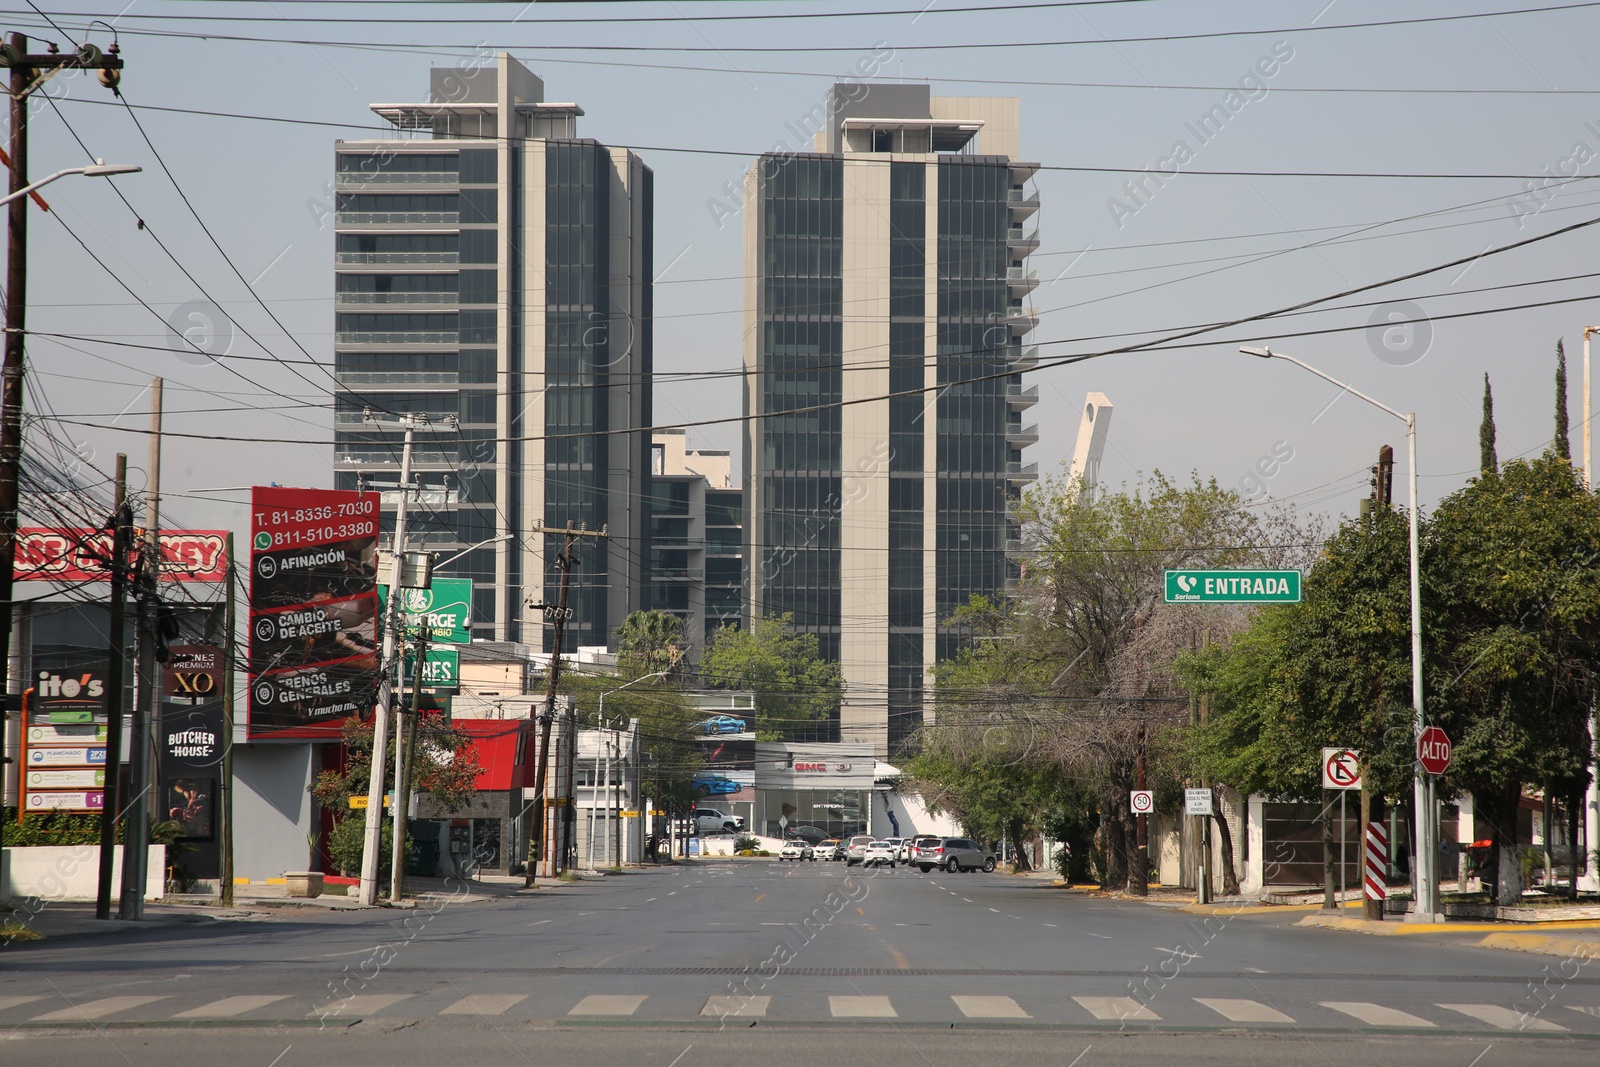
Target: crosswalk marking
(1117, 1008)
(990, 1008)
(1243, 1011)
(96, 1009)
(14, 1002)
(746, 1006)
(861, 1008)
(1502, 1017)
(350, 1007)
(228, 1007)
(1376, 1014)
(601, 1004)
(485, 1004)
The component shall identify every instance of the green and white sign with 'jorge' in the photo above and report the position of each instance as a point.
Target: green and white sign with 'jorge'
(445, 608)
(1233, 587)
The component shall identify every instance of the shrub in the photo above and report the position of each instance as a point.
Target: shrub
(348, 839)
(745, 844)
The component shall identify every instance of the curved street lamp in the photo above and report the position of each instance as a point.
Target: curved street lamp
(98, 169)
(1424, 856)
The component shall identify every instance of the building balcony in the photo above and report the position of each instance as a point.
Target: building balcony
(678, 574)
(410, 337)
(356, 418)
(1021, 241)
(406, 378)
(1021, 172)
(1022, 203)
(397, 218)
(1022, 280)
(1022, 319)
(348, 180)
(341, 299)
(1023, 436)
(1022, 397)
(362, 259)
(1022, 472)
(1024, 357)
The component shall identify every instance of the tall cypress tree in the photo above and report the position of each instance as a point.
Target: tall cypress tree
(1563, 446)
(1487, 460)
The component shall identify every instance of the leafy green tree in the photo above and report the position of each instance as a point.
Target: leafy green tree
(1563, 440)
(794, 686)
(649, 641)
(1488, 462)
(666, 719)
(1513, 596)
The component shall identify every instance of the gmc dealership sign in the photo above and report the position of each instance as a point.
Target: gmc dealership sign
(73, 554)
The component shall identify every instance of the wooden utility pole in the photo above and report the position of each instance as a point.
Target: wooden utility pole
(116, 656)
(225, 812)
(28, 72)
(558, 613)
(405, 730)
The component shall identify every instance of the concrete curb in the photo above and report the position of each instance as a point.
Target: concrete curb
(1395, 928)
(1543, 944)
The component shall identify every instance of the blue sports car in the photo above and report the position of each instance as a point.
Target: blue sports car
(713, 786)
(722, 724)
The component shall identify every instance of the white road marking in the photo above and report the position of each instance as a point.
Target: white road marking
(1047, 924)
(602, 1004)
(748, 1006)
(1103, 937)
(228, 1007)
(485, 1004)
(361, 1005)
(861, 1008)
(1502, 1017)
(1376, 1014)
(96, 1009)
(12, 1002)
(995, 910)
(990, 1008)
(1243, 1011)
(541, 922)
(1117, 1008)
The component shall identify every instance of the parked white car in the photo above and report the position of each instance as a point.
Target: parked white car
(877, 854)
(797, 850)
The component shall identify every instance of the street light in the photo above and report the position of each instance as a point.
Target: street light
(1422, 785)
(594, 783)
(98, 169)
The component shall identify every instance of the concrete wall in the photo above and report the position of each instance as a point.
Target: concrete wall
(913, 816)
(272, 809)
(54, 873)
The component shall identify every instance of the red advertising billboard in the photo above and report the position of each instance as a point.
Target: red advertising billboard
(313, 610)
(74, 554)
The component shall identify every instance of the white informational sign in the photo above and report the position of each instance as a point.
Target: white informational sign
(1142, 801)
(1197, 801)
(1341, 768)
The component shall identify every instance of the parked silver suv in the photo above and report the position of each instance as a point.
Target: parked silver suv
(856, 849)
(954, 854)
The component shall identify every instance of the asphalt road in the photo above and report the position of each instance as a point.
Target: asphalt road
(725, 962)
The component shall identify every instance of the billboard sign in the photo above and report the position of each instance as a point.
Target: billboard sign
(75, 554)
(441, 668)
(313, 610)
(445, 608)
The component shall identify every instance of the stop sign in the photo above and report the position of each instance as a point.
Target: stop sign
(1433, 750)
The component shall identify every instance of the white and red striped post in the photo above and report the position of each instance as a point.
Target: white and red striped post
(1377, 853)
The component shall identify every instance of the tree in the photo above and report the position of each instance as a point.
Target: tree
(794, 687)
(445, 765)
(1563, 444)
(666, 719)
(649, 641)
(1488, 462)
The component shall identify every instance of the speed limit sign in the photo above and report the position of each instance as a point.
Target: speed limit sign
(1142, 801)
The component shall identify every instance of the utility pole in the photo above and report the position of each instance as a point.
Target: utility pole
(372, 843)
(225, 814)
(116, 656)
(404, 731)
(1371, 803)
(146, 715)
(558, 613)
(28, 72)
(1140, 884)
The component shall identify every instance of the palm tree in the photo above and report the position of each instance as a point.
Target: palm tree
(651, 641)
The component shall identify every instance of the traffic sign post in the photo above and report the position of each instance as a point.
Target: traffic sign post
(1233, 587)
(1197, 802)
(1141, 801)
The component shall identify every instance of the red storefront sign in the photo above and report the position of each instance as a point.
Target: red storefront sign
(73, 554)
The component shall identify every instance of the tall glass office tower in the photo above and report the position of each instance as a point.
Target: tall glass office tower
(493, 272)
(885, 314)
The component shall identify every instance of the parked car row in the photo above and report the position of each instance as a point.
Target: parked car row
(924, 853)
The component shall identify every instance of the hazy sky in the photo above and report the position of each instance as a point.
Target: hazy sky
(1486, 107)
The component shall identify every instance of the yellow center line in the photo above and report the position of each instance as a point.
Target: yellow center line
(758, 899)
(861, 912)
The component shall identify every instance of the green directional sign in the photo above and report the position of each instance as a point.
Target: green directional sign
(441, 669)
(1233, 587)
(445, 608)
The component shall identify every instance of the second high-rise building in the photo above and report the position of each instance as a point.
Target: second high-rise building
(886, 310)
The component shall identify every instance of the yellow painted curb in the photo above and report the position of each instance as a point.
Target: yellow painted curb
(1394, 927)
(1542, 943)
(275, 881)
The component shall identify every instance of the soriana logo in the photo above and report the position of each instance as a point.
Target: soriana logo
(71, 554)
